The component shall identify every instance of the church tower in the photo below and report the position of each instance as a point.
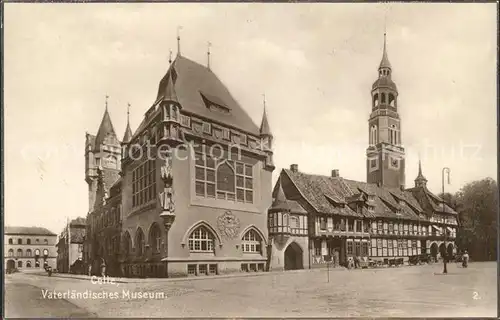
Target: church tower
(385, 162)
(102, 160)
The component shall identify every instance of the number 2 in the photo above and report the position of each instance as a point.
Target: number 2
(475, 295)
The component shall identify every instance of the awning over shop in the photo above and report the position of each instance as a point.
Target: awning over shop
(449, 229)
(437, 228)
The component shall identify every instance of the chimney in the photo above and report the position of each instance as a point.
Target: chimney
(294, 167)
(335, 173)
(402, 187)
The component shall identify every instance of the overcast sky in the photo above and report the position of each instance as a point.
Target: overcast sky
(315, 63)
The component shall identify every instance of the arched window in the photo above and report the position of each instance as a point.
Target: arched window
(45, 252)
(28, 241)
(37, 264)
(383, 98)
(19, 252)
(19, 241)
(28, 264)
(373, 135)
(46, 241)
(139, 242)
(375, 100)
(28, 253)
(10, 241)
(392, 100)
(37, 240)
(251, 242)
(19, 264)
(153, 135)
(225, 178)
(127, 242)
(11, 253)
(37, 252)
(201, 240)
(155, 238)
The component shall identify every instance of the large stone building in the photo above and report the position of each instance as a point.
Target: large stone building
(315, 218)
(70, 246)
(29, 248)
(189, 193)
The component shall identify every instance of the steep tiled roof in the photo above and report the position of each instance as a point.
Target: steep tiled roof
(329, 194)
(320, 193)
(39, 231)
(191, 80)
(106, 133)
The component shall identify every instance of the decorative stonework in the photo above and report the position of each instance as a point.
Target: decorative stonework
(228, 224)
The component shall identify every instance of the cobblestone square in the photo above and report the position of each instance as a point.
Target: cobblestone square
(420, 291)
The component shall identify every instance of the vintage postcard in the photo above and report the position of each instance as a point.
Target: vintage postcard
(231, 160)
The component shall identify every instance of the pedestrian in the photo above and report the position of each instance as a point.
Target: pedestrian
(465, 259)
(356, 262)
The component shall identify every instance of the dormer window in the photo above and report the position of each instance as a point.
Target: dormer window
(214, 103)
(226, 134)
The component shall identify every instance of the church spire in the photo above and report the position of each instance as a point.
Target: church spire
(384, 63)
(420, 181)
(264, 126)
(128, 132)
(106, 132)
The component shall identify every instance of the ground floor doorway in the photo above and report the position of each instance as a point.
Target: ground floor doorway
(293, 257)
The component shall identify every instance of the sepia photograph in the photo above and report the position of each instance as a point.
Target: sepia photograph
(239, 160)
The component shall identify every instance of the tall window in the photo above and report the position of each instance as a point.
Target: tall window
(201, 240)
(322, 223)
(11, 253)
(19, 241)
(373, 135)
(350, 248)
(19, 252)
(364, 249)
(294, 222)
(10, 241)
(357, 248)
(45, 252)
(28, 253)
(155, 238)
(139, 242)
(28, 241)
(37, 252)
(224, 179)
(393, 135)
(45, 241)
(126, 244)
(251, 242)
(358, 226)
(144, 183)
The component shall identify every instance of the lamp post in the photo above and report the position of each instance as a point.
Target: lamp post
(447, 170)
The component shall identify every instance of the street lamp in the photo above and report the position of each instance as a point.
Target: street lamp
(447, 170)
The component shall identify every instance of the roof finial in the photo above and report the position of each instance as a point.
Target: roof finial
(179, 28)
(264, 101)
(419, 167)
(106, 102)
(170, 57)
(128, 112)
(209, 44)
